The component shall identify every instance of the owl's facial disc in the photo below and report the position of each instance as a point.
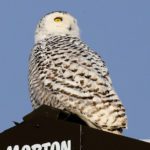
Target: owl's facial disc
(57, 23)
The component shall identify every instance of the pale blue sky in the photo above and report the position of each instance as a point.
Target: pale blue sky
(119, 30)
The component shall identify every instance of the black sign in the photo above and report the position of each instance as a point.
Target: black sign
(52, 129)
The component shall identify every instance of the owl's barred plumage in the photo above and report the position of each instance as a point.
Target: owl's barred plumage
(66, 74)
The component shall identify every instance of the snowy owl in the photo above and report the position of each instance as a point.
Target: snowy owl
(66, 74)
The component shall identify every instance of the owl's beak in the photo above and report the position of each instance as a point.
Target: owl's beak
(70, 28)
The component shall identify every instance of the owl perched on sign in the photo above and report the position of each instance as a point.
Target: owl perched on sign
(66, 74)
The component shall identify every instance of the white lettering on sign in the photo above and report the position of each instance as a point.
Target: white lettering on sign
(64, 145)
(36, 147)
(26, 147)
(46, 146)
(55, 146)
(15, 148)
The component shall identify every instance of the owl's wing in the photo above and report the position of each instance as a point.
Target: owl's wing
(76, 70)
(82, 76)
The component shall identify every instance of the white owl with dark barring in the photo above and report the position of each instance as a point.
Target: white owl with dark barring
(65, 73)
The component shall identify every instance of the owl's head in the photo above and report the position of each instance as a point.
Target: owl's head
(57, 23)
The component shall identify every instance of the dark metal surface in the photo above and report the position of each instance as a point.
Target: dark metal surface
(48, 125)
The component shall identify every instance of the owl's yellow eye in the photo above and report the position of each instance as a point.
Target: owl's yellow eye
(58, 19)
